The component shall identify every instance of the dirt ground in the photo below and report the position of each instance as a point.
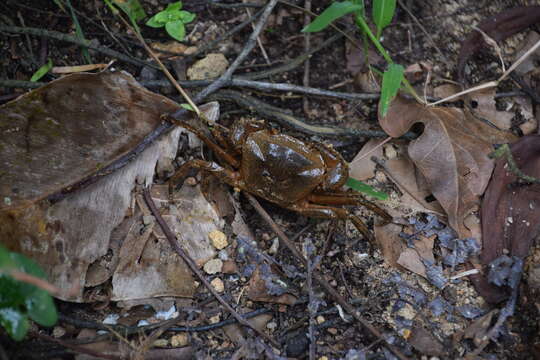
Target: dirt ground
(394, 300)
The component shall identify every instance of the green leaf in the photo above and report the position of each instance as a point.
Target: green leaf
(187, 17)
(153, 22)
(174, 7)
(383, 12)
(42, 71)
(132, 8)
(15, 322)
(167, 16)
(41, 308)
(187, 107)
(390, 85)
(331, 13)
(365, 189)
(176, 29)
(20, 300)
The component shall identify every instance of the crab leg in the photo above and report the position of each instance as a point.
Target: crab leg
(191, 167)
(343, 198)
(329, 212)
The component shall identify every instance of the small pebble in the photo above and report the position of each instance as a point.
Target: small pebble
(219, 239)
(218, 285)
(214, 319)
(161, 343)
(274, 247)
(320, 319)
(271, 326)
(58, 332)
(213, 266)
(179, 340)
(332, 331)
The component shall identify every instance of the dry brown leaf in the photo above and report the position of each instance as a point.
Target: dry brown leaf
(449, 153)
(510, 219)
(388, 240)
(412, 184)
(411, 261)
(361, 167)
(529, 64)
(257, 291)
(486, 108)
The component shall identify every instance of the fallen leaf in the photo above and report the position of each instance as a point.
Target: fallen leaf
(510, 212)
(487, 109)
(411, 261)
(413, 185)
(389, 241)
(449, 153)
(529, 64)
(258, 290)
(424, 341)
(361, 167)
(479, 328)
(497, 27)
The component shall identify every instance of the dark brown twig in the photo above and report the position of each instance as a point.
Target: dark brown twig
(189, 261)
(71, 39)
(317, 276)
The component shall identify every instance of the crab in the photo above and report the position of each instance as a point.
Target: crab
(305, 177)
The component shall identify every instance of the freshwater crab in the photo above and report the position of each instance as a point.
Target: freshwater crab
(305, 177)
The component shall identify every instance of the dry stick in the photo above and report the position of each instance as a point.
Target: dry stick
(67, 38)
(317, 276)
(162, 67)
(250, 44)
(307, 44)
(77, 348)
(189, 261)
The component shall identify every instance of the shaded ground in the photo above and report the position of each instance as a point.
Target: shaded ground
(354, 267)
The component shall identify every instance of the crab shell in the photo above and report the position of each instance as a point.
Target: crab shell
(285, 170)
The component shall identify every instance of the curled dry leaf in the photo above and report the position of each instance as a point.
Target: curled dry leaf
(449, 153)
(487, 109)
(510, 211)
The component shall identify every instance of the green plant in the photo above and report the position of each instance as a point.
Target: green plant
(44, 69)
(21, 301)
(174, 20)
(132, 8)
(383, 12)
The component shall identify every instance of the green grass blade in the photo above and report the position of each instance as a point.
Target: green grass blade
(331, 13)
(79, 33)
(390, 85)
(383, 12)
(44, 69)
(365, 189)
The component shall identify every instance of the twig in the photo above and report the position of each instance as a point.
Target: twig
(71, 39)
(189, 261)
(317, 276)
(219, 83)
(307, 45)
(504, 151)
(296, 123)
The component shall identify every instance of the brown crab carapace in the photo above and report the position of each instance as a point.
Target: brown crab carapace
(302, 176)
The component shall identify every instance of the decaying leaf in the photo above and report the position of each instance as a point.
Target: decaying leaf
(361, 167)
(486, 108)
(510, 212)
(61, 134)
(389, 241)
(264, 286)
(449, 153)
(425, 342)
(497, 27)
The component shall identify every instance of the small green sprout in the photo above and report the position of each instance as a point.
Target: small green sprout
(173, 19)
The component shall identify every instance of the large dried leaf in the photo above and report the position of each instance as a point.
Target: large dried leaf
(510, 212)
(56, 135)
(449, 153)
(79, 239)
(497, 27)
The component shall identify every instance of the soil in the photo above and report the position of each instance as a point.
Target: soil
(357, 269)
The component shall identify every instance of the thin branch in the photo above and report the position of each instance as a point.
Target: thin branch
(319, 278)
(189, 261)
(71, 39)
